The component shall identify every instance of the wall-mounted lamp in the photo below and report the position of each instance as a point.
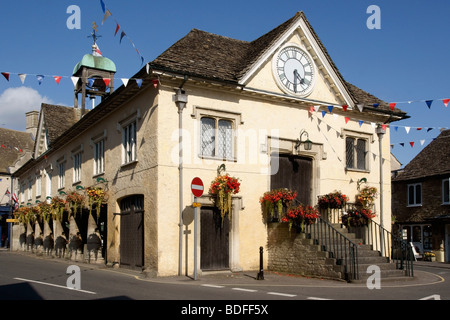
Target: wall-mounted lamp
(180, 99)
(308, 143)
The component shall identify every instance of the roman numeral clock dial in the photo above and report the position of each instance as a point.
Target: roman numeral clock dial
(293, 69)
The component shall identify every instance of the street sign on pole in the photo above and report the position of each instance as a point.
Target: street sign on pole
(197, 187)
(197, 191)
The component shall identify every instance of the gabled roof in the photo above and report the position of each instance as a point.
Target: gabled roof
(206, 55)
(433, 160)
(54, 120)
(15, 143)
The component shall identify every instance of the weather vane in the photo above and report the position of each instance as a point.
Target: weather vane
(94, 35)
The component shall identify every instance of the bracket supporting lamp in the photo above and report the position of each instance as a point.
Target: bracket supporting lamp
(180, 99)
(308, 143)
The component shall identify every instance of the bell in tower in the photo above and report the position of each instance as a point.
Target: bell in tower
(95, 73)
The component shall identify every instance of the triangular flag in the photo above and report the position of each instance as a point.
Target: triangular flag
(139, 82)
(429, 102)
(106, 16)
(155, 83)
(360, 107)
(40, 78)
(446, 101)
(103, 6)
(22, 77)
(6, 75)
(345, 107)
(395, 128)
(407, 129)
(418, 129)
(422, 142)
(375, 105)
(330, 108)
(117, 29)
(392, 105)
(429, 129)
(311, 109)
(316, 108)
(74, 80)
(323, 114)
(402, 144)
(125, 81)
(373, 125)
(360, 122)
(384, 126)
(106, 81)
(412, 144)
(346, 119)
(91, 82)
(57, 79)
(147, 68)
(123, 34)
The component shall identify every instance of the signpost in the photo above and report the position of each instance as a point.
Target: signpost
(197, 190)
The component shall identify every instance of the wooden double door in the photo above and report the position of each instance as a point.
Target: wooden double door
(292, 172)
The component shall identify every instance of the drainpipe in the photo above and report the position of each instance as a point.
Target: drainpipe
(380, 132)
(180, 99)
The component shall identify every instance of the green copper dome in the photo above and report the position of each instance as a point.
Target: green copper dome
(95, 62)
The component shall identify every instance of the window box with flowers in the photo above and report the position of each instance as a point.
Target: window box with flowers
(300, 216)
(221, 190)
(332, 200)
(276, 202)
(330, 204)
(357, 217)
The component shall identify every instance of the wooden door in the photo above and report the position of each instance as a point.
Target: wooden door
(214, 240)
(294, 173)
(132, 232)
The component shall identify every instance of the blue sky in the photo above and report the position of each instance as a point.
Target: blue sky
(405, 60)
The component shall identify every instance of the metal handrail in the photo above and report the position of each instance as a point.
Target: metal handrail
(389, 245)
(339, 247)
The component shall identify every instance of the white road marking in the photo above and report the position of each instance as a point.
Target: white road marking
(54, 285)
(282, 294)
(212, 286)
(246, 290)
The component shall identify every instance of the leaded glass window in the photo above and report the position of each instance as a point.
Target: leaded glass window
(216, 138)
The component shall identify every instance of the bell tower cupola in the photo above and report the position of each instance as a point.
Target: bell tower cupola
(95, 75)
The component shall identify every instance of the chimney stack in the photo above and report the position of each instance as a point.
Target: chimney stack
(32, 118)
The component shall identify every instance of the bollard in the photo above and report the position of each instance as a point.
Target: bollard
(260, 275)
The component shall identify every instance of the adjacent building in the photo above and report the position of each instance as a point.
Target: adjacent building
(421, 198)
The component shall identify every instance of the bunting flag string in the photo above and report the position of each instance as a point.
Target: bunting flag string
(41, 77)
(107, 13)
(4, 146)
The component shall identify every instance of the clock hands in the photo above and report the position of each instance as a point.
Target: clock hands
(297, 75)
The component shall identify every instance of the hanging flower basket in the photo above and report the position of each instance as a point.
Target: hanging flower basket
(332, 200)
(278, 199)
(300, 216)
(75, 201)
(221, 190)
(57, 206)
(357, 217)
(366, 197)
(96, 197)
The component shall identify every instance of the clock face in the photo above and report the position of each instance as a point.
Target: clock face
(294, 71)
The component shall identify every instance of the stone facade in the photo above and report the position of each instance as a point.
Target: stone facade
(293, 253)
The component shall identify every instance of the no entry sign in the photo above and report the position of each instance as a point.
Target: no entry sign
(197, 187)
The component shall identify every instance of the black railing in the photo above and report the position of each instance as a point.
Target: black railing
(389, 245)
(338, 246)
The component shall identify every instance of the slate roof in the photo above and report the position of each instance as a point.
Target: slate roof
(433, 160)
(15, 143)
(206, 55)
(58, 119)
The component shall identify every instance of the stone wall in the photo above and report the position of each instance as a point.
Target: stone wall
(293, 253)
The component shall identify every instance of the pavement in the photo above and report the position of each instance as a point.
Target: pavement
(271, 278)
